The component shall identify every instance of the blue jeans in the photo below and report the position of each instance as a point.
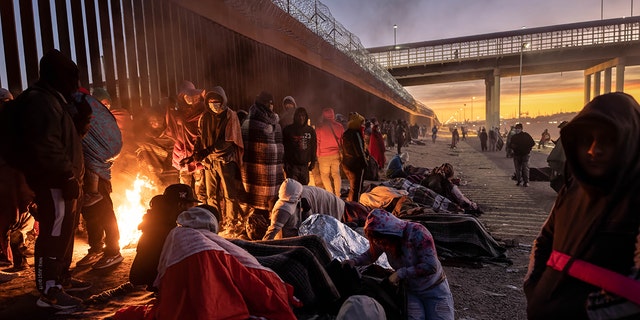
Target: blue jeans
(433, 304)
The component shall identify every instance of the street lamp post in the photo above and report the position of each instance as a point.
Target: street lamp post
(522, 46)
(472, 98)
(395, 32)
(464, 113)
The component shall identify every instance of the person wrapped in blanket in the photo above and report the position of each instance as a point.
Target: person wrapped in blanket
(594, 222)
(204, 276)
(296, 202)
(441, 180)
(412, 254)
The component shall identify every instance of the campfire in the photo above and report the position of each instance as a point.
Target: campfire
(130, 207)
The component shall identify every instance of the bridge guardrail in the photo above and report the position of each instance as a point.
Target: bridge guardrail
(612, 31)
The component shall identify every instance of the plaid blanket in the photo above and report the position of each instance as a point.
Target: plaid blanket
(263, 159)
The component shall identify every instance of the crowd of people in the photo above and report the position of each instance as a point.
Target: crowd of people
(227, 171)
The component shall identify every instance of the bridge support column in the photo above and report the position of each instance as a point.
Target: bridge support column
(492, 89)
(607, 80)
(587, 88)
(620, 75)
(595, 71)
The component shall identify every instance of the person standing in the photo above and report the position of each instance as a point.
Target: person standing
(544, 138)
(354, 157)
(594, 222)
(263, 154)
(219, 147)
(182, 128)
(52, 162)
(556, 161)
(300, 147)
(521, 144)
(434, 133)
(493, 139)
(376, 146)
(101, 145)
(455, 137)
(329, 133)
(411, 252)
(401, 135)
(507, 148)
(483, 139)
(16, 199)
(288, 109)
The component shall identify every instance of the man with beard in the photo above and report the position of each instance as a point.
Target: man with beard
(300, 145)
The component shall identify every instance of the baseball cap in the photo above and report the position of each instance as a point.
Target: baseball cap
(189, 89)
(180, 192)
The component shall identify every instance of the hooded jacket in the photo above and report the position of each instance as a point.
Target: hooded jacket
(286, 214)
(329, 133)
(182, 128)
(417, 262)
(300, 141)
(52, 146)
(220, 136)
(354, 156)
(286, 116)
(376, 146)
(594, 221)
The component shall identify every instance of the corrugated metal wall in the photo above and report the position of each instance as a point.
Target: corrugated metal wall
(142, 50)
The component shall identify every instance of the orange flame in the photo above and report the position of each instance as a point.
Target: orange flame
(129, 213)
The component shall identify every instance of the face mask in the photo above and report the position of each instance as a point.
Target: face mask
(216, 107)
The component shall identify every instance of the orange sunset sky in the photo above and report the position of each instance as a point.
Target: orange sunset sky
(544, 94)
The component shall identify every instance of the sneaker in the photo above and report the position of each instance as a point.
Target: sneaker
(7, 276)
(526, 184)
(74, 285)
(58, 299)
(518, 184)
(17, 268)
(108, 261)
(91, 199)
(89, 259)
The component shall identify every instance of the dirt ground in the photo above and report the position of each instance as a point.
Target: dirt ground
(491, 292)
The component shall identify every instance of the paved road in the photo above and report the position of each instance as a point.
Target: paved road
(511, 213)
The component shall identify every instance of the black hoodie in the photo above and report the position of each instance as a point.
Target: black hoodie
(299, 140)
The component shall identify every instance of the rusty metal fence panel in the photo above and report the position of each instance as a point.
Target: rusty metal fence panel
(141, 51)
